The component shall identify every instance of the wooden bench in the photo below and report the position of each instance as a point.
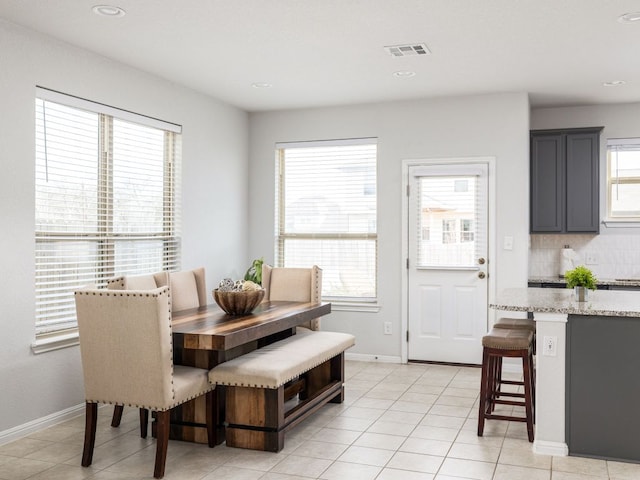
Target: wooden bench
(273, 388)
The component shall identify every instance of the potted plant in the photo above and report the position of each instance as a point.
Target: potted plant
(581, 279)
(254, 273)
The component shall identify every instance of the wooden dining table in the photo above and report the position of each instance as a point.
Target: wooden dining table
(205, 337)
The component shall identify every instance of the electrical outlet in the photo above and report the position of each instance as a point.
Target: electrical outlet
(549, 346)
(591, 259)
(387, 328)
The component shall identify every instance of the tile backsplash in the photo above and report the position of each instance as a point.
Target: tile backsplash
(608, 256)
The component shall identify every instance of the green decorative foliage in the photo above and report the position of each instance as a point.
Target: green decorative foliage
(254, 273)
(580, 276)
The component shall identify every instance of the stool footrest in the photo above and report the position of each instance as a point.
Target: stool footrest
(509, 394)
(491, 416)
(510, 402)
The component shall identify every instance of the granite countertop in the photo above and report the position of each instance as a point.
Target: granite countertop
(622, 282)
(613, 303)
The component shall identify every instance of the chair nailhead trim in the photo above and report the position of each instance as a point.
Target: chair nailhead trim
(149, 407)
(122, 293)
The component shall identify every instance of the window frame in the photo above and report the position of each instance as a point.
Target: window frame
(52, 334)
(346, 303)
(614, 144)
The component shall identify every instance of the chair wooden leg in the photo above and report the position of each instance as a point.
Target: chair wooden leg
(498, 381)
(91, 422)
(491, 383)
(533, 384)
(528, 404)
(144, 422)
(162, 442)
(484, 390)
(117, 415)
(212, 417)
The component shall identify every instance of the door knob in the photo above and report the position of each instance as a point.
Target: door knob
(481, 261)
(481, 274)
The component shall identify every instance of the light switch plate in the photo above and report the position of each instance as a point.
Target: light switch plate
(508, 243)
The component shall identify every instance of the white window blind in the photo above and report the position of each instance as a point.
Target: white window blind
(107, 202)
(326, 214)
(623, 179)
(449, 208)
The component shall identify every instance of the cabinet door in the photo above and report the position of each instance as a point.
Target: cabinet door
(583, 208)
(547, 183)
(602, 416)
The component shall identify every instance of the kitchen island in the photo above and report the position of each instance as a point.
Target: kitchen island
(587, 381)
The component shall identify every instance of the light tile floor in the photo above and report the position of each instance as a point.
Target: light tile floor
(399, 422)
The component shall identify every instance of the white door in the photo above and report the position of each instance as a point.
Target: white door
(447, 264)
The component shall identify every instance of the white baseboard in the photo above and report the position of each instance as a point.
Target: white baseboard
(25, 429)
(543, 447)
(362, 357)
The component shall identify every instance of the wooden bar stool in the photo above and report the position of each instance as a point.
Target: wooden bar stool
(517, 324)
(498, 344)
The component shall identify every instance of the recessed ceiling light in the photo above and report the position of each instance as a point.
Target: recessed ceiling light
(629, 17)
(108, 11)
(404, 74)
(261, 85)
(614, 83)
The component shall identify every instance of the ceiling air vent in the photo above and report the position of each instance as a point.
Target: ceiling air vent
(409, 50)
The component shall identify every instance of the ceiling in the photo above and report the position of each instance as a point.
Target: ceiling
(330, 52)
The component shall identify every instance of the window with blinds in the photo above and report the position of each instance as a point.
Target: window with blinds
(326, 212)
(450, 210)
(107, 201)
(623, 179)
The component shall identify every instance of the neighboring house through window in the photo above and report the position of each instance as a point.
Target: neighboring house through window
(326, 214)
(107, 201)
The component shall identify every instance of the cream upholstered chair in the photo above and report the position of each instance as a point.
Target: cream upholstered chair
(188, 289)
(294, 285)
(127, 359)
(136, 282)
(139, 282)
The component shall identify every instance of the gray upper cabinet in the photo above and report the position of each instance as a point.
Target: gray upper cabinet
(565, 180)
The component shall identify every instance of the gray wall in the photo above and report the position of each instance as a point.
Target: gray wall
(214, 198)
(619, 120)
(490, 125)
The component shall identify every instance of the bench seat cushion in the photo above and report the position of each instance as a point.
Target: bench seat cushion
(279, 362)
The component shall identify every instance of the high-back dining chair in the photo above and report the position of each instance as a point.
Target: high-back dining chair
(136, 282)
(127, 359)
(294, 285)
(139, 282)
(188, 289)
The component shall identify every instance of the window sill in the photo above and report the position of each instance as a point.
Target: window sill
(55, 342)
(365, 307)
(634, 223)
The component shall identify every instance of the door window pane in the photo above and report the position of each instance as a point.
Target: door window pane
(447, 205)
